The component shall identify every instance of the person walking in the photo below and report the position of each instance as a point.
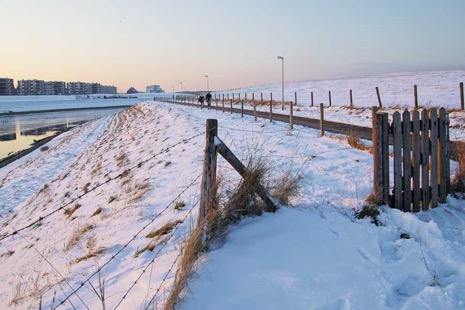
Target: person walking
(209, 98)
(201, 99)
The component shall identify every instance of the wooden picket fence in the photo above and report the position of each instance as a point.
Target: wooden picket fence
(421, 155)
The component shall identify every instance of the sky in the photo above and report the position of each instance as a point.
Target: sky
(236, 43)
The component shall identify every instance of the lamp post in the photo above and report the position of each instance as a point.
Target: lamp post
(282, 58)
(208, 86)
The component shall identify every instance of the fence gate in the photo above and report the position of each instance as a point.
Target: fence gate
(421, 153)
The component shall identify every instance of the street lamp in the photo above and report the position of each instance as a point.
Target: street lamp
(181, 86)
(282, 58)
(208, 86)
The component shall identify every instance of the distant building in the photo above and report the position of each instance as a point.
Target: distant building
(55, 88)
(132, 90)
(97, 88)
(79, 88)
(31, 87)
(7, 87)
(154, 89)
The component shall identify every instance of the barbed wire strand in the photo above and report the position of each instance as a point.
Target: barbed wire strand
(128, 242)
(48, 262)
(155, 256)
(41, 218)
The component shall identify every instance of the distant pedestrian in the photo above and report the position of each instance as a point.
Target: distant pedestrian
(201, 99)
(209, 98)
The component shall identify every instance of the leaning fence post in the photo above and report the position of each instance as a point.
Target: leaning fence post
(462, 101)
(415, 94)
(209, 169)
(329, 98)
(322, 129)
(271, 107)
(379, 97)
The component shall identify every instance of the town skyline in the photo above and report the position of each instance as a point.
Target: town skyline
(235, 44)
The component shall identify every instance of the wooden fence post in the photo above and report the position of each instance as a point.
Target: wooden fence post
(209, 169)
(254, 107)
(329, 98)
(291, 114)
(216, 102)
(223, 104)
(443, 158)
(397, 148)
(377, 158)
(379, 97)
(231, 103)
(385, 157)
(415, 94)
(434, 157)
(242, 108)
(271, 107)
(322, 129)
(351, 101)
(462, 103)
(311, 99)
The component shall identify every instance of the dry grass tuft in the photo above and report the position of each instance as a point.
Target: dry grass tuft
(179, 205)
(458, 181)
(354, 141)
(286, 188)
(157, 237)
(77, 234)
(164, 230)
(190, 254)
(70, 212)
(97, 212)
(91, 254)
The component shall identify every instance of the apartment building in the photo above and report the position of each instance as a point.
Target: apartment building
(79, 88)
(7, 87)
(55, 88)
(31, 87)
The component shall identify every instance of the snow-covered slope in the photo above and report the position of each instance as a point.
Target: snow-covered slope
(102, 188)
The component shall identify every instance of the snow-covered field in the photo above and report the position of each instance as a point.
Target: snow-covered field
(90, 201)
(435, 88)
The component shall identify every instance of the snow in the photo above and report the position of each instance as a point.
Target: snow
(136, 165)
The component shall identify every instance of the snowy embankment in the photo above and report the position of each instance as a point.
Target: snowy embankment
(103, 187)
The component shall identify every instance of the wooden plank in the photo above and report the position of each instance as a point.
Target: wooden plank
(271, 203)
(416, 160)
(397, 148)
(425, 146)
(407, 162)
(377, 157)
(442, 156)
(449, 153)
(322, 119)
(209, 169)
(385, 158)
(434, 157)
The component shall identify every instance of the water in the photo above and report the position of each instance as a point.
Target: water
(20, 131)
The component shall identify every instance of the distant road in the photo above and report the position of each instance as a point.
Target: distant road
(64, 110)
(329, 126)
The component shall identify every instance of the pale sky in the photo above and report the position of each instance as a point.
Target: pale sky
(235, 42)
